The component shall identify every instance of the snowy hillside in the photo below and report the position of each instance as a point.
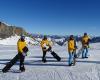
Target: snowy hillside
(10, 41)
(30, 41)
(59, 40)
(13, 41)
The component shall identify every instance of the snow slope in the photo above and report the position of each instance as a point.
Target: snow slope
(95, 46)
(30, 41)
(85, 69)
(10, 41)
(60, 40)
(13, 40)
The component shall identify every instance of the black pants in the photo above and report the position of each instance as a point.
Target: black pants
(19, 57)
(44, 54)
(52, 53)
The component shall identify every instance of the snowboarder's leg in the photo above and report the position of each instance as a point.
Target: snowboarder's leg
(83, 55)
(44, 57)
(70, 59)
(10, 64)
(22, 68)
(73, 59)
(55, 56)
(86, 53)
(75, 55)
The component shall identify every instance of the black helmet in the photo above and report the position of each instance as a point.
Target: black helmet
(22, 38)
(85, 34)
(71, 37)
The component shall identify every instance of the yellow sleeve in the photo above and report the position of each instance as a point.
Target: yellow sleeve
(89, 37)
(41, 44)
(49, 44)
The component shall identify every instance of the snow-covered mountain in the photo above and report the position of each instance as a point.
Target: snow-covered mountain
(30, 41)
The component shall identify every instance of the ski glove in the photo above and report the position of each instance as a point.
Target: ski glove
(24, 54)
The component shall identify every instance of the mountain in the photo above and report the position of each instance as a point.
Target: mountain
(7, 31)
(61, 40)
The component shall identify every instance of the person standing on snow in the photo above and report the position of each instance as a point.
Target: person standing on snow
(22, 51)
(46, 47)
(85, 45)
(72, 50)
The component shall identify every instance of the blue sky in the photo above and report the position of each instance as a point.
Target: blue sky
(62, 17)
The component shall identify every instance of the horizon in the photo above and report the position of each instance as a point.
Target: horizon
(53, 17)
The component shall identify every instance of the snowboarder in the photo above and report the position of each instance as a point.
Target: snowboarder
(72, 50)
(22, 51)
(46, 47)
(85, 45)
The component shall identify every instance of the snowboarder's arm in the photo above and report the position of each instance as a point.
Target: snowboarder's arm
(41, 44)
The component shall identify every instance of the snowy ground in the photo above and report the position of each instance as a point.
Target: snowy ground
(85, 69)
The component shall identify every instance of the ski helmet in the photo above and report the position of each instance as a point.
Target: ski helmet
(85, 34)
(71, 37)
(22, 37)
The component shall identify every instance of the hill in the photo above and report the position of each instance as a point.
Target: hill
(7, 31)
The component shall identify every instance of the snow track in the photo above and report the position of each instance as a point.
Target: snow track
(85, 69)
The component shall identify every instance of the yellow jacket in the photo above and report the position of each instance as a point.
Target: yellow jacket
(71, 45)
(20, 46)
(45, 42)
(85, 41)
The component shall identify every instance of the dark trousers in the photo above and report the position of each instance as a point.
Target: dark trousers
(19, 57)
(52, 53)
(44, 55)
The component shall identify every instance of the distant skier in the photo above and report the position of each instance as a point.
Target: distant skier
(72, 50)
(85, 45)
(22, 52)
(46, 47)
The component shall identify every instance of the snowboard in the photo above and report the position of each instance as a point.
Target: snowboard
(10, 64)
(55, 56)
(79, 52)
(74, 61)
(25, 49)
(13, 61)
